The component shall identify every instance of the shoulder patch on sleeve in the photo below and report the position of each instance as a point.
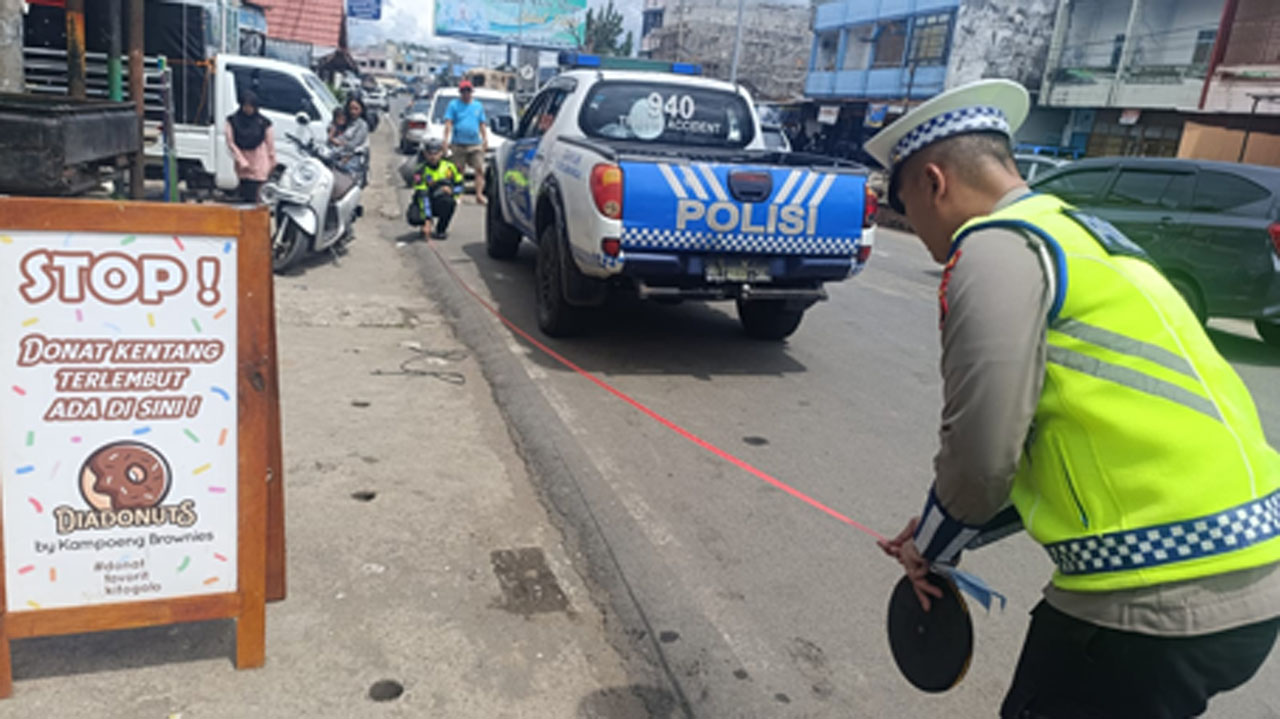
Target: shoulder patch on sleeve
(942, 286)
(1108, 235)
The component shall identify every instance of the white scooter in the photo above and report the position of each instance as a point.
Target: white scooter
(314, 204)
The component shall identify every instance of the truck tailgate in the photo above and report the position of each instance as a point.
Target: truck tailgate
(712, 207)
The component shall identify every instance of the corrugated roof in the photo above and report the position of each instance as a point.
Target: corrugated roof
(318, 22)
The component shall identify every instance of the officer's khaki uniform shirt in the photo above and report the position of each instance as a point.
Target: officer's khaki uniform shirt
(995, 302)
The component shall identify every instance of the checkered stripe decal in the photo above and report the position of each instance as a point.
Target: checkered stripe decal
(1227, 531)
(669, 239)
(968, 119)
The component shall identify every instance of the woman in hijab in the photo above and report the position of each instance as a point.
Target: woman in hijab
(252, 146)
(353, 143)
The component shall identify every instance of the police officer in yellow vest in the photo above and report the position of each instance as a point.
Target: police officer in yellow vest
(436, 190)
(1079, 387)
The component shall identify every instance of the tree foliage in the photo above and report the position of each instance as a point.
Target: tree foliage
(603, 34)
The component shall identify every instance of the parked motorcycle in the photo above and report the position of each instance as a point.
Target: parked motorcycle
(314, 203)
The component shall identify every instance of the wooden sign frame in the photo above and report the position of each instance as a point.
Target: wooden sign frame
(259, 481)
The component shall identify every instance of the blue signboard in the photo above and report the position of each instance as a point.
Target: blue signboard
(364, 9)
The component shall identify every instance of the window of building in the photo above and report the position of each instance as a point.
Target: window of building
(1204, 47)
(929, 39)
(857, 52)
(828, 47)
(891, 43)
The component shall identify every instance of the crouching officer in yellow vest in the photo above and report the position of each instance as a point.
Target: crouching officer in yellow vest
(1079, 387)
(436, 190)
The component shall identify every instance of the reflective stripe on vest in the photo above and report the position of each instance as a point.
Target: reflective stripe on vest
(1145, 447)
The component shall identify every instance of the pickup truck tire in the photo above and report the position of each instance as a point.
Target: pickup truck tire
(556, 317)
(1269, 330)
(501, 240)
(769, 319)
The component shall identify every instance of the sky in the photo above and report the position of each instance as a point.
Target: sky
(412, 21)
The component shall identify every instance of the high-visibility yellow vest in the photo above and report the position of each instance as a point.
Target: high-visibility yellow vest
(1146, 462)
(444, 172)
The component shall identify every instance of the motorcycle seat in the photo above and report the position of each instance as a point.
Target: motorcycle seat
(342, 183)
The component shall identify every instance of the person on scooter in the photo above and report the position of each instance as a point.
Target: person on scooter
(353, 143)
(437, 185)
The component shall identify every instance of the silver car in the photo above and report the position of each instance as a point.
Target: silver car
(413, 125)
(1033, 166)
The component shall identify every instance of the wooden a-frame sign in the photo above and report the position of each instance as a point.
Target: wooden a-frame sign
(140, 459)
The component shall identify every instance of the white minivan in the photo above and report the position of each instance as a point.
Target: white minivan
(496, 104)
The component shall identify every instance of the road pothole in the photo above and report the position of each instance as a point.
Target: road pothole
(364, 495)
(528, 585)
(386, 690)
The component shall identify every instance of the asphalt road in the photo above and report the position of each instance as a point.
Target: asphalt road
(762, 605)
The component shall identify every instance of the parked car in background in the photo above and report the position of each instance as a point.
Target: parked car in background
(496, 104)
(774, 138)
(1032, 166)
(413, 125)
(376, 98)
(1213, 228)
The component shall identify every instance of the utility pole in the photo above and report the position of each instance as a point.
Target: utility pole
(76, 71)
(137, 27)
(737, 46)
(11, 46)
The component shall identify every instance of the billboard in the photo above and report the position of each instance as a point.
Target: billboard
(538, 23)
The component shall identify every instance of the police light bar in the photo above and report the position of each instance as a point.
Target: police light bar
(570, 59)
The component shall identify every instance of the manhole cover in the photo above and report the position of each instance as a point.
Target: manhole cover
(386, 690)
(364, 495)
(528, 586)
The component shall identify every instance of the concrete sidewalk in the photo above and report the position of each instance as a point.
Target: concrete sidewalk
(419, 553)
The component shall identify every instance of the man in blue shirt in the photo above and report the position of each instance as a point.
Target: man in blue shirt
(464, 126)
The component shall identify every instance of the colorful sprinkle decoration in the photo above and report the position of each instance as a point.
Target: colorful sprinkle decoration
(219, 557)
(226, 248)
(186, 561)
(215, 489)
(6, 240)
(27, 569)
(33, 604)
(20, 390)
(76, 439)
(79, 316)
(31, 437)
(211, 580)
(221, 393)
(178, 241)
(141, 431)
(191, 436)
(53, 574)
(30, 321)
(28, 469)
(222, 437)
(128, 240)
(36, 503)
(220, 314)
(151, 319)
(202, 468)
(113, 327)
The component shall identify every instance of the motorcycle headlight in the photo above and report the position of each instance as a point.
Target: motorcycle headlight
(303, 176)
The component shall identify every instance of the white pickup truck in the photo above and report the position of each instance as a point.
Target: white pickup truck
(285, 90)
(659, 183)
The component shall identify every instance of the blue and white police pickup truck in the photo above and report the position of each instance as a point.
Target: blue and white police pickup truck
(659, 183)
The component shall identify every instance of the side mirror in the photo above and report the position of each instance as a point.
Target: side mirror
(502, 125)
(302, 118)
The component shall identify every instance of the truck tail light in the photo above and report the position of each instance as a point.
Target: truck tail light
(611, 246)
(870, 208)
(606, 190)
(864, 253)
(1274, 231)
(417, 125)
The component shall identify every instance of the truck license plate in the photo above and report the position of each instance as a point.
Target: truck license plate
(725, 269)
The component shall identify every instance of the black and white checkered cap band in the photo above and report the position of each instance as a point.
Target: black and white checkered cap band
(979, 118)
(1231, 530)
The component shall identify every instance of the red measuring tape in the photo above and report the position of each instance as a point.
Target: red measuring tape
(713, 449)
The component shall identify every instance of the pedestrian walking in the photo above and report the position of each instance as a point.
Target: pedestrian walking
(252, 146)
(1080, 387)
(466, 133)
(438, 183)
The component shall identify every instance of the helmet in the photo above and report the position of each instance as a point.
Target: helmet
(433, 145)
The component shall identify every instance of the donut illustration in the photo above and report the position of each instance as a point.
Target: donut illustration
(125, 475)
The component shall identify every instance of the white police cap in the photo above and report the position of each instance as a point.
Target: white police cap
(982, 106)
